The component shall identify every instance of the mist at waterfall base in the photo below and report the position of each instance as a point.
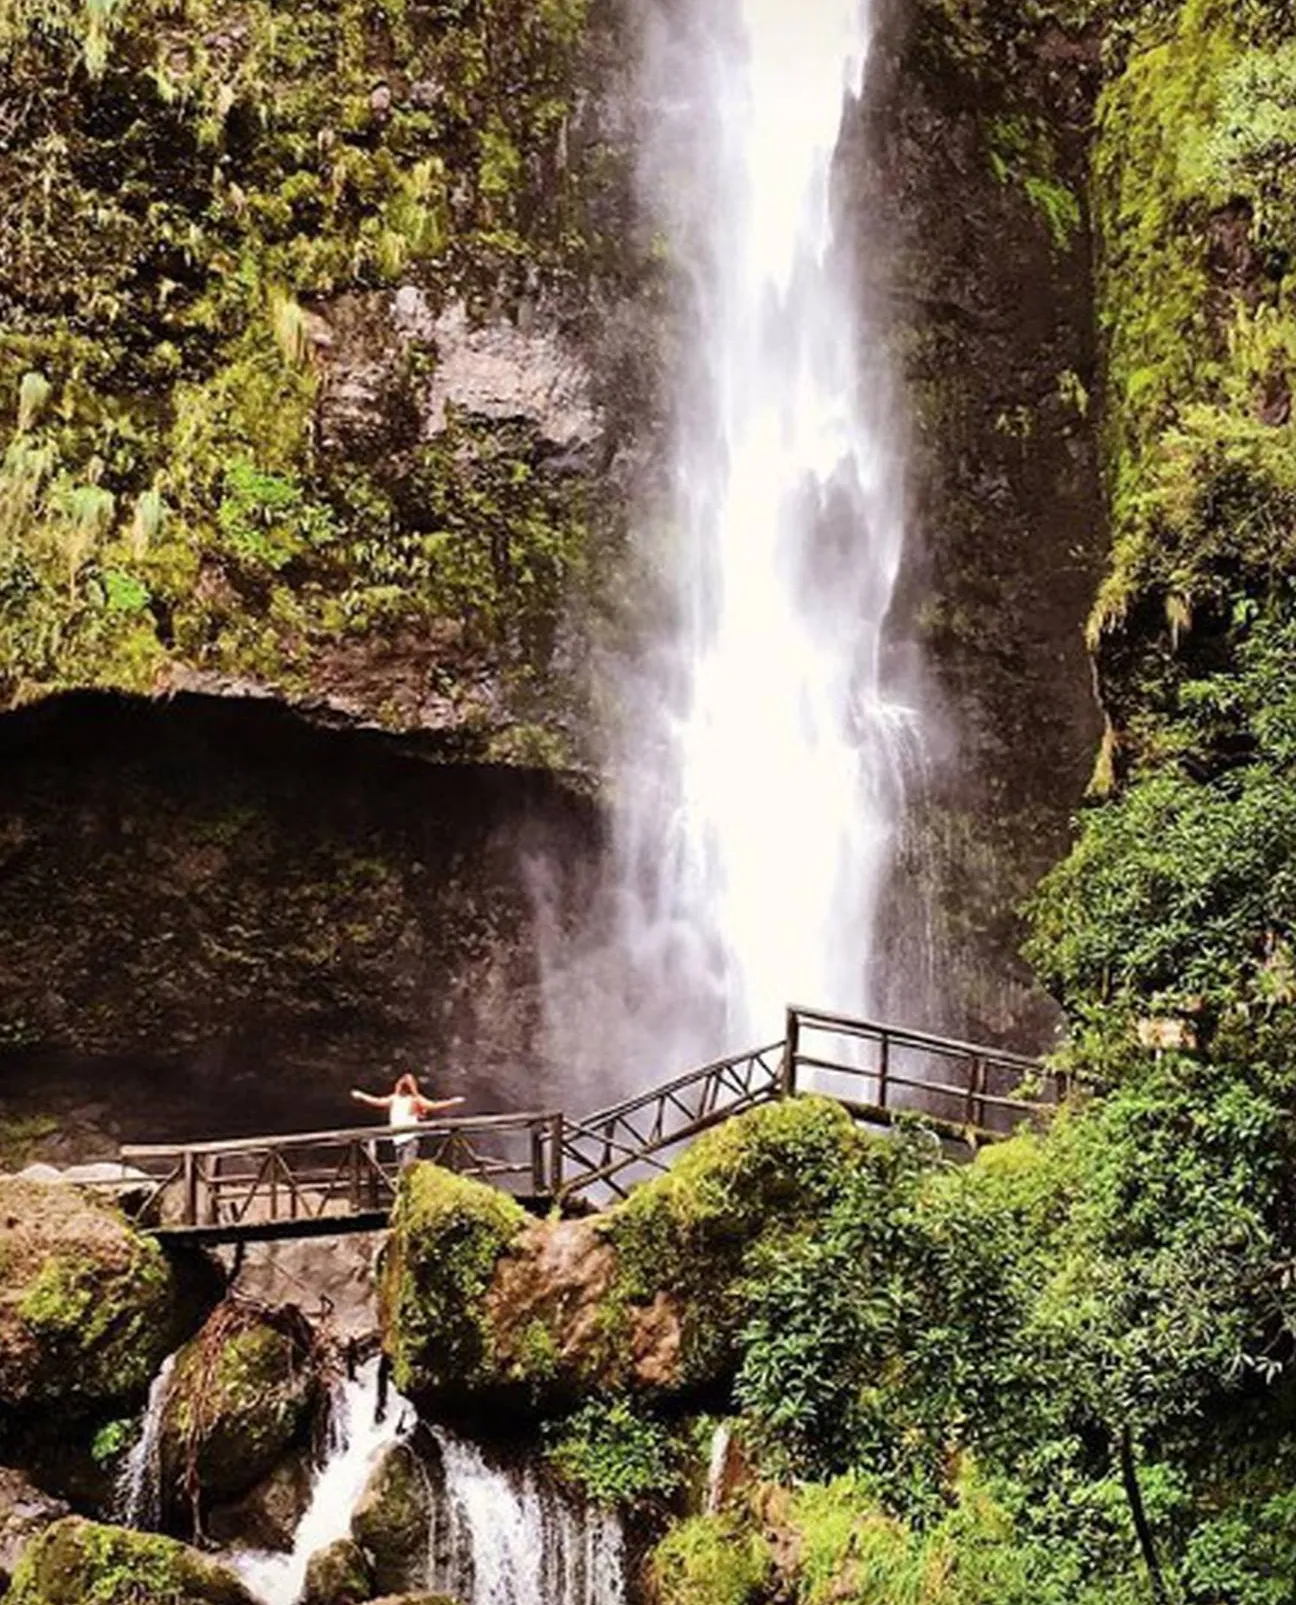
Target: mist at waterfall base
(761, 769)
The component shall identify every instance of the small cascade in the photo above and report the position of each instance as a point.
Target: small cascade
(718, 1466)
(139, 1486)
(507, 1537)
(356, 1439)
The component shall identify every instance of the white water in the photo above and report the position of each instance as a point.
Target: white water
(356, 1440)
(762, 777)
(721, 1440)
(139, 1486)
(506, 1537)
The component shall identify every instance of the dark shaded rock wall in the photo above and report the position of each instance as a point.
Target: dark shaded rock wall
(211, 911)
(966, 181)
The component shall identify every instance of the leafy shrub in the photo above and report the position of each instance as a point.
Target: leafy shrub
(614, 1454)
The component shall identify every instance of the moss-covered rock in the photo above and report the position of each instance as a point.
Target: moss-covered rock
(88, 1307)
(25, 1513)
(255, 455)
(481, 1303)
(241, 1396)
(80, 1562)
(448, 1235)
(391, 1523)
(338, 1574)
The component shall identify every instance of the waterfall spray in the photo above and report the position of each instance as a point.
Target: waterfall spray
(762, 778)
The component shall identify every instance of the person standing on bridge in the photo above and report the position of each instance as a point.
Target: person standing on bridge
(405, 1106)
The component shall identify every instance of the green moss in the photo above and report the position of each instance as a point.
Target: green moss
(102, 1323)
(391, 1522)
(79, 1562)
(163, 497)
(711, 1560)
(744, 1183)
(448, 1234)
(241, 1395)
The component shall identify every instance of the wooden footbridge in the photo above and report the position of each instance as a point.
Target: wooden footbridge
(325, 1182)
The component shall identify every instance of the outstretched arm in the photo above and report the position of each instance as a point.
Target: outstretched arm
(434, 1106)
(368, 1097)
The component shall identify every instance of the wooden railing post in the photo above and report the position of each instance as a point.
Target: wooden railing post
(190, 1176)
(556, 1140)
(884, 1066)
(791, 1046)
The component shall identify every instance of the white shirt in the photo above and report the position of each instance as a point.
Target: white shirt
(403, 1111)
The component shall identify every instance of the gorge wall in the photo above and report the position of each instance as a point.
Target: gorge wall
(331, 365)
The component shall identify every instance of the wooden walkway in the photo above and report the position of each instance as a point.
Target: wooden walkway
(326, 1182)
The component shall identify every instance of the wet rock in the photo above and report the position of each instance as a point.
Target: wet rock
(268, 1517)
(392, 1521)
(486, 1311)
(25, 1513)
(76, 1560)
(500, 370)
(548, 1308)
(338, 1574)
(90, 1308)
(241, 1397)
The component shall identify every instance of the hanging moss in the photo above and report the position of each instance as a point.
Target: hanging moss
(199, 183)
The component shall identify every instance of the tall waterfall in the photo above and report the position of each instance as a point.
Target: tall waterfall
(761, 777)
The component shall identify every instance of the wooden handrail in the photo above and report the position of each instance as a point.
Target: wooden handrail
(268, 1194)
(870, 1030)
(425, 1128)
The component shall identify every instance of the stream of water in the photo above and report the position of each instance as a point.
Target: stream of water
(762, 777)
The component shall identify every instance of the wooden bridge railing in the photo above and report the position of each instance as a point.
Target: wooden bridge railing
(326, 1181)
(312, 1181)
(879, 1071)
(605, 1146)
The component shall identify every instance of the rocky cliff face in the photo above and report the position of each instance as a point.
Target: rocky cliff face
(362, 385)
(307, 364)
(967, 183)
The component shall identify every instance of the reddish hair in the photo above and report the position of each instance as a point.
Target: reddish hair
(406, 1087)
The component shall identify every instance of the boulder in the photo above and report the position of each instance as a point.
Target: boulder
(484, 1309)
(76, 1561)
(267, 1518)
(392, 1520)
(25, 1513)
(338, 1574)
(242, 1395)
(89, 1307)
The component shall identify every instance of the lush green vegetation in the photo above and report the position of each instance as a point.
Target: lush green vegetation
(616, 1454)
(205, 209)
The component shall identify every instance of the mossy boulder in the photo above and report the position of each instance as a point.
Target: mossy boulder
(483, 1306)
(241, 1396)
(78, 1562)
(338, 1574)
(391, 1523)
(88, 1307)
(25, 1512)
(448, 1235)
